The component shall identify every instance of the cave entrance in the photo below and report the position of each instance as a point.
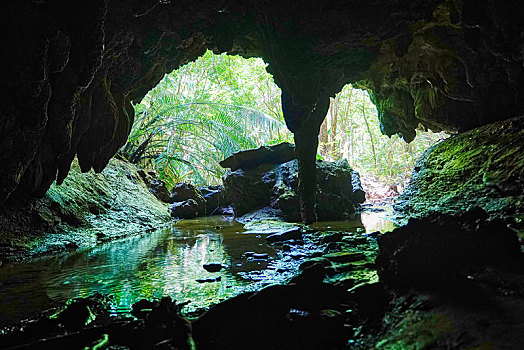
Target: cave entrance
(351, 130)
(202, 113)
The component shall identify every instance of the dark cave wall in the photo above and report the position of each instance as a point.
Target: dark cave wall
(70, 69)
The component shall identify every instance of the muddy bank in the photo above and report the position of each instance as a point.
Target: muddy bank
(87, 208)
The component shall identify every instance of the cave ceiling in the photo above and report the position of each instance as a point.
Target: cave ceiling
(70, 70)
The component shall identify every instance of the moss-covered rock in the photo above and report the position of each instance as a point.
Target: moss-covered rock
(87, 208)
(482, 168)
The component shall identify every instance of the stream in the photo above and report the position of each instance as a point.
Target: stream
(165, 262)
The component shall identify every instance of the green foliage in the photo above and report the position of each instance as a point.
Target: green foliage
(351, 130)
(220, 104)
(202, 113)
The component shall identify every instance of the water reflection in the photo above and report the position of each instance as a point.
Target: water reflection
(165, 262)
(370, 221)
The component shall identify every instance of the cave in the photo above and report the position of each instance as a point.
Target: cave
(450, 276)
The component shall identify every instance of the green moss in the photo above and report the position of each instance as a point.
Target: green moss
(481, 167)
(416, 332)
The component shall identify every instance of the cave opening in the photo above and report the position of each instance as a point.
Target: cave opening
(202, 113)
(448, 276)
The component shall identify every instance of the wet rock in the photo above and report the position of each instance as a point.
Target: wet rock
(332, 237)
(310, 262)
(344, 257)
(143, 307)
(227, 211)
(333, 247)
(277, 325)
(297, 255)
(213, 267)
(187, 209)
(479, 168)
(215, 199)
(310, 275)
(209, 280)
(260, 256)
(440, 251)
(294, 233)
(251, 159)
(248, 190)
(277, 185)
(184, 191)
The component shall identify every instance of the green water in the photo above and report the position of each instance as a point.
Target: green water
(165, 262)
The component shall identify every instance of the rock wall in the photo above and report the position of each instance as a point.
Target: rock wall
(86, 209)
(71, 70)
(482, 168)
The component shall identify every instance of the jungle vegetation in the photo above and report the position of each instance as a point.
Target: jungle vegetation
(220, 104)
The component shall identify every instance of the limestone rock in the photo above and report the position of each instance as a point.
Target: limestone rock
(252, 158)
(277, 185)
(184, 191)
(483, 167)
(187, 209)
(215, 199)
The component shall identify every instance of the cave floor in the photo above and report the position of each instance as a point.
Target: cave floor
(169, 262)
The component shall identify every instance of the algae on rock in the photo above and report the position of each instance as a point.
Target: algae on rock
(87, 208)
(483, 167)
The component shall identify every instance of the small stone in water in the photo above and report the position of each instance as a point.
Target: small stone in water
(208, 280)
(248, 254)
(260, 256)
(213, 267)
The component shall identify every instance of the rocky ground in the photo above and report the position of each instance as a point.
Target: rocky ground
(86, 209)
(333, 263)
(427, 289)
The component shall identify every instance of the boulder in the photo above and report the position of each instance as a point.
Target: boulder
(253, 189)
(187, 209)
(252, 158)
(482, 167)
(247, 190)
(184, 191)
(215, 199)
(294, 233)
(440, 251)
(155, 186)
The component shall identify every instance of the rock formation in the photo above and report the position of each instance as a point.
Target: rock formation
(71, 70)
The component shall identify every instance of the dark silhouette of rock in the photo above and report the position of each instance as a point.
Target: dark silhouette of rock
(277, 185)
(183, 192)
(440, 251)
(155, 186)
(187, 209)
(213, 267)
(253, 158)
(294, 233)
(215, 199)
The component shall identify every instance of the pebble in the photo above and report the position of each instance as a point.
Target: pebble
(209, 280)
(260, 256)
(213, 267)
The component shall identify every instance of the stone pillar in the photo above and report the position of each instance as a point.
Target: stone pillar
(305, 123)
(306, 141)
